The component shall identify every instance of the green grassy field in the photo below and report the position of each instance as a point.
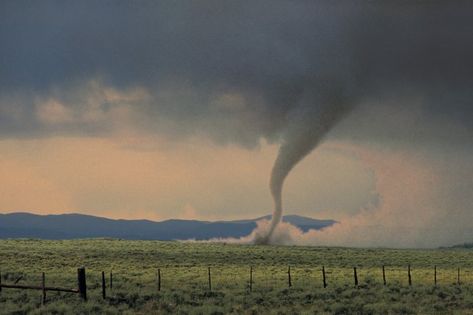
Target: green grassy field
(184, 287)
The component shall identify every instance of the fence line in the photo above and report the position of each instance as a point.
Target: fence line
(82, 285)
(81, 289)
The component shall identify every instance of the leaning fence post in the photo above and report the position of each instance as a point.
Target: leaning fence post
(384, 276)
(103, 285)
(409, 274)
(210, 281)
(323, 276)
(289, 282)
(82, 283)
(356, 276)
(251, 278)
(435, 275)
(159, 279)
(43, 287)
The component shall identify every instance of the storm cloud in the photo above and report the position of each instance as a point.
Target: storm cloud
(231, 71)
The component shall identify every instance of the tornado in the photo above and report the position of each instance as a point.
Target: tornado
(316, 114)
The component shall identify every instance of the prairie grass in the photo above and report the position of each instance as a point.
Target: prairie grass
(184, 286)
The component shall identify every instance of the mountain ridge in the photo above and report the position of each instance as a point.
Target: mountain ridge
(75, 225)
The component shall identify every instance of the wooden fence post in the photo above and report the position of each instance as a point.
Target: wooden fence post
(111, 280)
(289, 282)
(43, 286)
(103, 286)
(82, 283)
(435, 275)
(0, 282)
(159, 279)
(384, 276)
(356, 276)
(458, 276)
(210, 281)
(409, 274)
(251, 278)
(323, 276)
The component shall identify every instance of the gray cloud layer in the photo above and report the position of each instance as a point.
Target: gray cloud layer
(236, 71)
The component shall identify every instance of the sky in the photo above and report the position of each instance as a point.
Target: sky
(161, 110)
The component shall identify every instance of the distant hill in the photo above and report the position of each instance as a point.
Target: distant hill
(69, 226)
(464, 245)
(304, 223)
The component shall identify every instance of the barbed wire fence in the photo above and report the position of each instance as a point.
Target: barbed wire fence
(231, 278)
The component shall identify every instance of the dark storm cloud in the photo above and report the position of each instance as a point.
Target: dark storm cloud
(235, 71)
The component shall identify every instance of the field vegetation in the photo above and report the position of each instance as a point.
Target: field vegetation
(184, 275)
